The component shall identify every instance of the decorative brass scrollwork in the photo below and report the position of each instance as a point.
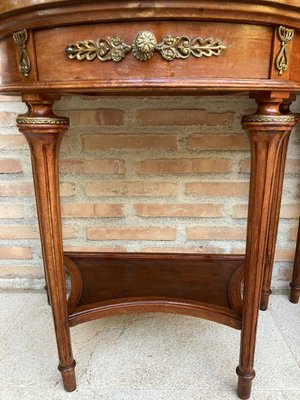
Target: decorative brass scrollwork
(282, 60)
(143, 48)
(21, 38)
(111, 48)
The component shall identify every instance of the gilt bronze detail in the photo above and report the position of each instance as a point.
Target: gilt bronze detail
(143, 48)
(111, 48)
(282, 60)
(21, 37)
(25, 120)
(271, 118)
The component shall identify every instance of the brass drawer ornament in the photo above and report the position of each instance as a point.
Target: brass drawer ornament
(143, 48)
(21, 38)
(282, 60)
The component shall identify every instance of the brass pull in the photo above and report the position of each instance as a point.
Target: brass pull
(114, 48)
(282, 60)
(20, 39)
(144, 46)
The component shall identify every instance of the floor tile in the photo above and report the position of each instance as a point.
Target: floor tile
(11, 304)
(287, 318)
(28, 349)
(145, 357)
(22, 393)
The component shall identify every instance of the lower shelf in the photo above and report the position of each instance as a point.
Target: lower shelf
(201, 285)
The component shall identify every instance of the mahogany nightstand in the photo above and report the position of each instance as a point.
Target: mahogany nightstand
(54, 47)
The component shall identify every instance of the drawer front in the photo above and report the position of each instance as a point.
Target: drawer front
(244, 52)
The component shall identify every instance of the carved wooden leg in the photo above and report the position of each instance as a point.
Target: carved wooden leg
(274, 216)
(268, 130)
(273, 228)
(295, 284)
(44, 131)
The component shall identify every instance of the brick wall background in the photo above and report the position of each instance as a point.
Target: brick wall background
(140, 174)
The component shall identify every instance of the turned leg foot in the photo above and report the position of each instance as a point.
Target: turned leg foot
(47, 293)
(244, 384)
(264, 301)
(295, 294)
(68, 376)
(295, 284)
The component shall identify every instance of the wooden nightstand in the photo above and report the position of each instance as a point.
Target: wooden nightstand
(52, 48)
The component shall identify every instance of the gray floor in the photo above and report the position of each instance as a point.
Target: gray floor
(145, 356)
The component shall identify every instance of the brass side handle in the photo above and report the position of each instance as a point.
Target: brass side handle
(20, 38)
(282, 61)
(145, 45)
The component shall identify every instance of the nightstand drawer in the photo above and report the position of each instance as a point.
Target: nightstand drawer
(153, 51)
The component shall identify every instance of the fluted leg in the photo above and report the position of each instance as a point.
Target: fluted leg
(44, 131)
(273, 228)
(268, 132)
(295, 284)
(275, 214)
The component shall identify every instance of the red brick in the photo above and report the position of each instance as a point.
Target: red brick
(97, 249)
(11, 211)
(12, 272)
(95, 117)
(15, 253)
(216, 233)
(293, 233)
(8, 118)
(290, 211)
(16, 189)
(67, 189)
(183, 166)
(132, 233)
(187, 250)
(13, 142)
(179, 210)
(134, 189)
(65, 144)
(107, 142)
(10, 166)
(89, 210)
(218, 142)
(96, 166)
(184, 117)
(284, 254)
(218, 189)
(5, 98)
(31, 232)
(240, 211)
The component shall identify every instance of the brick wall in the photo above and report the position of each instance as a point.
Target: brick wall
(140, 174)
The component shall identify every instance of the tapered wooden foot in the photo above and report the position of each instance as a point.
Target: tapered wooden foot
(264, 302)
(295, 295)
(244, 384)
(68, 376)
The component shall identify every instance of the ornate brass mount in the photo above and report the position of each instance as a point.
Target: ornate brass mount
(282, 60)
(26, 120)
(21, 38)
(143, 48)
